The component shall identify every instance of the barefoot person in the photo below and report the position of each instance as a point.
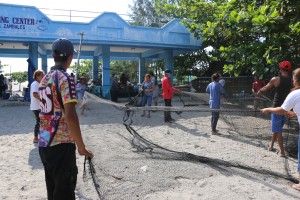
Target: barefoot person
(35, 101)
(59, 127)
(282, 85)
(292, 101)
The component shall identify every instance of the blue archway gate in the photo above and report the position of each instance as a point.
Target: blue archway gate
(26, 32)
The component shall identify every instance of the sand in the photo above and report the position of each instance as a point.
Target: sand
(125, 173)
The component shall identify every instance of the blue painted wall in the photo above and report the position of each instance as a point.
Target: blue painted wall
(28, 26)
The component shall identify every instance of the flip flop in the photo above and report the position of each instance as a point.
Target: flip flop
(270, 148)
(295, 186)
(278, 152)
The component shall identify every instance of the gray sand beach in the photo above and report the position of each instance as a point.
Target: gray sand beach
(125, 172)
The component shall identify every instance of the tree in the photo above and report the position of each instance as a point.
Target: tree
(20, 77)
(129, 68)
(245, 36)
(85, 67)
(144, 14)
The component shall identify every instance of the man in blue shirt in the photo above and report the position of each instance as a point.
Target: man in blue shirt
(215, 89)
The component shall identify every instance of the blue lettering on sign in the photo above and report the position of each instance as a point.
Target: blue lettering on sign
(4, 20)
(26, 21)
(22, 22)
(42, 24)
(14, 26)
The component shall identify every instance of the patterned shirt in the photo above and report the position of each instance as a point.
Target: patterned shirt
(52, 118)
(147, 88)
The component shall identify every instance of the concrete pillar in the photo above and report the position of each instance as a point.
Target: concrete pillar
(142, 70)
(169, 62)
(95, 68)
(44, 63)
(33, 53)
(106, 71)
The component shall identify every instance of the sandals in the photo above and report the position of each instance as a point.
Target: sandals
(296, 186)
(35, 140)
(281, 155)
(270, 148)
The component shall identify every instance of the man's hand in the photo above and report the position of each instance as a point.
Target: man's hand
(85, 152)
(290, 114)
(265, 110)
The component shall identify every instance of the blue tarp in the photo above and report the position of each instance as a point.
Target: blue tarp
(31, 70)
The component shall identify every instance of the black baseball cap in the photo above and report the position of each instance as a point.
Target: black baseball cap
(168, 71)
(63, 47)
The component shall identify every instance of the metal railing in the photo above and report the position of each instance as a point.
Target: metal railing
(75, 15)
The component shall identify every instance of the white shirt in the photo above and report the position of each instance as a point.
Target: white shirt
(292, 101)
(34, 103)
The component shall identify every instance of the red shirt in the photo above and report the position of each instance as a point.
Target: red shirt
(167, 89)
(257, 85)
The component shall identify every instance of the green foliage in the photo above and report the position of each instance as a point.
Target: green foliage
(85, 67)
(129, 68)
(20, 77)
(245, 36)
(144, 13)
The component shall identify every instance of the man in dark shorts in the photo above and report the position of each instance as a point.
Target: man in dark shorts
(59, 125)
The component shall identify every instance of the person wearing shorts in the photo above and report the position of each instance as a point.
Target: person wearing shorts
(282, 85)
(290, 108)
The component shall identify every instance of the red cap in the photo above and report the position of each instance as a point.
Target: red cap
(286, 65)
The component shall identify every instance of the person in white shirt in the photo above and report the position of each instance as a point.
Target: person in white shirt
(290, 108)
(35, 101)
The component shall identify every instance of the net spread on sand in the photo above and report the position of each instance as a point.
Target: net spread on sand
(187, 145)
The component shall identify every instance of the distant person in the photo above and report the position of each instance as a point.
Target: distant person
(290, 108)
(114, 88)
(1, 85)
(167, 93)
(59, 128)
(123, 84)
(282, 85)
(35, 101)
(215, 89)
(148, 87)
(123, 80)
(81, 87)
(256, 86)
(155, 90)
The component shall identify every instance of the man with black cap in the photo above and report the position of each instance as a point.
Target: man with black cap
(59, 125)
(282, 85)
(167, 93)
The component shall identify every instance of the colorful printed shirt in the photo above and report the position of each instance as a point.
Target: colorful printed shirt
(147, 88)
(52, 119)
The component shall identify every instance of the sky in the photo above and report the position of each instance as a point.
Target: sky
(118, 6)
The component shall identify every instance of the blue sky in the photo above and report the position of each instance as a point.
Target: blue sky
(118, 6)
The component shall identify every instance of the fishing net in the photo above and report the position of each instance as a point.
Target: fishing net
(148, 151)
